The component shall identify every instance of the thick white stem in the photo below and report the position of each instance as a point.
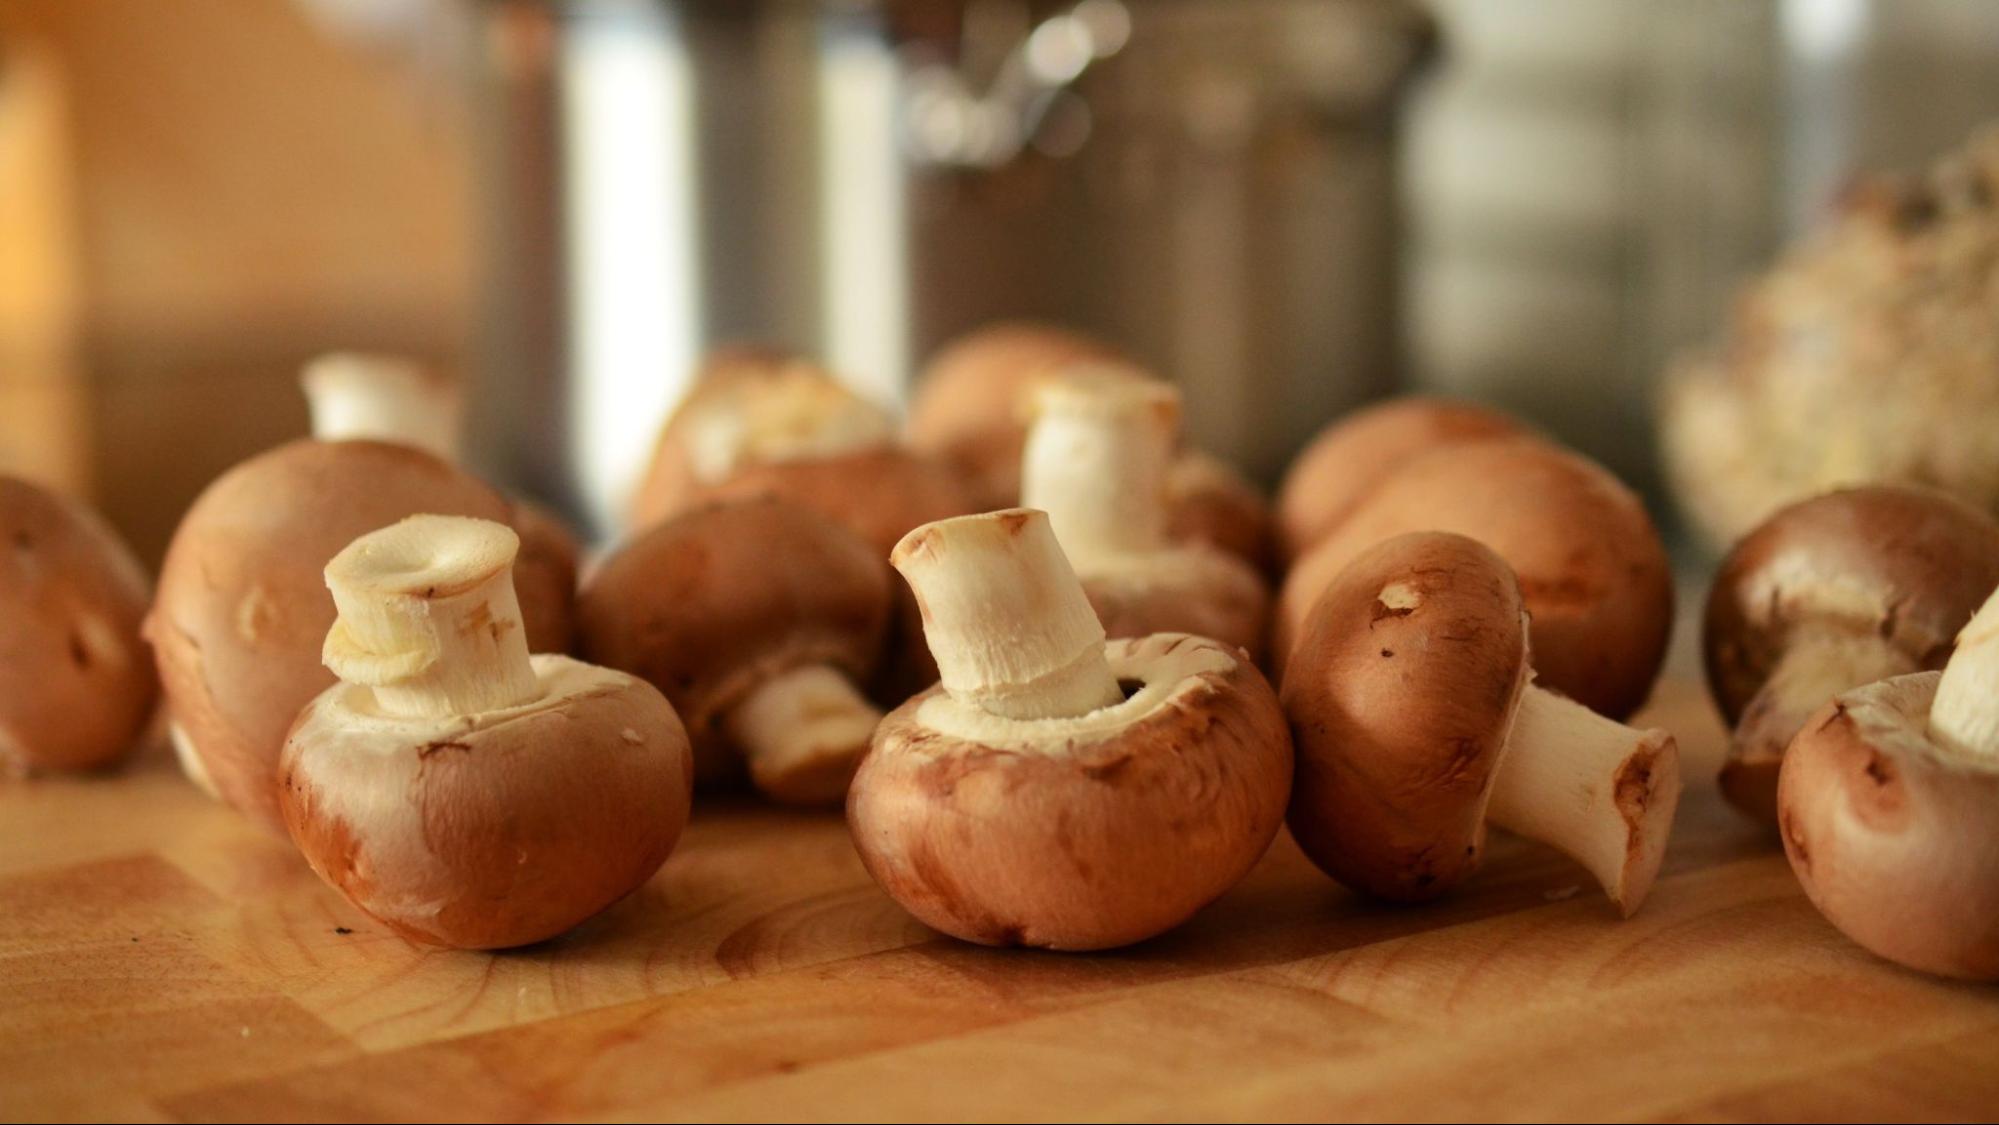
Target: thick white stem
(1005, 617)
(1965, 714)
(382, 398)
(1818, 665)
(803, 733)
(428, 618)
(1097, 460)
(1598, 791)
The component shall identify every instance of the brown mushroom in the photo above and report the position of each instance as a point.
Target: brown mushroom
(76, 684)
(1590, 563)
(1057, 790)
(1416, 725)
(1889, 805)
(455, 788)
(1097, 462)
(1828, 594)
(756, 618)
(1209, 502)
(1355, 454)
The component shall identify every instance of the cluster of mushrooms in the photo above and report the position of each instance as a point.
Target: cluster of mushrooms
(1067, 675)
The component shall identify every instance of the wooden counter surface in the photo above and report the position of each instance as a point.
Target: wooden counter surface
(160, 959)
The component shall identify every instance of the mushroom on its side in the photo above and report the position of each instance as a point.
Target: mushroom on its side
(1056, 790)
(76, 683)
(1097, 462)
(756, 618)
(1357, 452)
(1416, 724)
(1888, 802)
(1590, 563)
(1828, 594)
(455, 788)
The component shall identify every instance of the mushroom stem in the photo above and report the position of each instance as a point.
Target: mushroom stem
(354, 396)
(1005, 617)
(1964, 716)
(1097, 461)
(803, 733)
(1818, 664)
(428, 618)
(1596, 790)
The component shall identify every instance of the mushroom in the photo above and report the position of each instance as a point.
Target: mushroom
(1056, 790)
(1828, 594)
(1590, 563)
(1889, 806)
(756, 618)
(971, 409)
(1097, 462)
(357, 396)
(455, 788)
(76, 684)
(1416, 723)
(1355, 454)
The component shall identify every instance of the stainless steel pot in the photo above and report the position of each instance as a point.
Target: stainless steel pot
(1210, 182)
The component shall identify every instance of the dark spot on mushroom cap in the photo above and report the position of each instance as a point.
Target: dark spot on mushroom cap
(1387, 652)
(343, 931)
(432, 747)
(78, 654)
(1879, 770)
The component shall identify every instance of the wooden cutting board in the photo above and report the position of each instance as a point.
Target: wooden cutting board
(160, 959)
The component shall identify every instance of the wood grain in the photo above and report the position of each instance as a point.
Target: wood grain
(161, 959)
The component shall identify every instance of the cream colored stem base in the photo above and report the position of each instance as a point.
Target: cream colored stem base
(1096, 461)
(1598, 791)
(803, 733)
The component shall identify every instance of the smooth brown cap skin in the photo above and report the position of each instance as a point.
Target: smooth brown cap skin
(526, 827)
(243, 608)
(1201, 591)
(717, 600)
(545, 576)
(1400, 697)
(1076, 844)
(1897, 844)
(77, 685)
(1355, 454)
(967, 408)
(1910, 565)
(670, 482)
(879, 494)
(1208, 501)
(1590, 564)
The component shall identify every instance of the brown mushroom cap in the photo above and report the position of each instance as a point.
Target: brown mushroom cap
(495, 830)
(717, 600)
(1208, 501)
(878, 494)
(76, 683)
(1355, 454)
(1080, 833)
(1910, 565)
(1188, 590)
(1591, 567)
(1895, 838)
(545, 576)
(243, 607)
(1400, 707)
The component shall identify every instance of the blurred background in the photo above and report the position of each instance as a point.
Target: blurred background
(1288, 206)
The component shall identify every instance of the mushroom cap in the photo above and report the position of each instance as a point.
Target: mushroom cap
(1590, 565)
(1197, 590)
(879, 494)
(492, 830)
(1356, 453)
(545, 576)
(717, 600)
(968, 405)
(1400, 696)
(1910, 565)
(76, 684)
(1893, 836)
(1209, 501)
(1083, 833)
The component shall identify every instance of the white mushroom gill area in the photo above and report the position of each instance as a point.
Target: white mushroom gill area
(1164, 669)
(1964, 717)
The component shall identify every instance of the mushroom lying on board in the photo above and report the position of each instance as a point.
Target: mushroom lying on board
(1056, 790)
(971, 408)
(1354, 454)
(1416, 723)
(1591, 566)
(455, 788)
(360, 397)
(76, 683)
(757, 618)
(1096, 462)
(1889, 806)
(1828, 594)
